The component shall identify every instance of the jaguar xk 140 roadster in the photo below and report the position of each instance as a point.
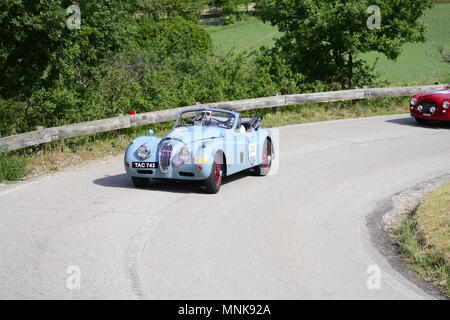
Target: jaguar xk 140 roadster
(205, 144)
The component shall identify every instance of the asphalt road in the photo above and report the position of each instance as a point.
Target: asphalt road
(300, 233)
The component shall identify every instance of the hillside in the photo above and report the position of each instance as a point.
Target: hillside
(419, 63)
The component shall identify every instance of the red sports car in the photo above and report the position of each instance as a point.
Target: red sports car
(431, 105)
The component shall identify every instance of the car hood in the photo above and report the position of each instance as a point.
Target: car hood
(437, 96)
(195, 133)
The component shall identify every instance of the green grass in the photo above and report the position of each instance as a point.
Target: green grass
(242, 36)
(424, 238)
(12, 167)
(418, 63)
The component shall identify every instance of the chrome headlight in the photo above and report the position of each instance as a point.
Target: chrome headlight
(420, 108)
(445, 105)
(185, 154)
(432, 109)
(413, 101)
(144, 152)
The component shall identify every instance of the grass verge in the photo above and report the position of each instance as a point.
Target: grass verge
(424, 238)
(12, 167)
(30, 162)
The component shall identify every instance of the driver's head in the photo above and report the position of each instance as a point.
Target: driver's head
(207, 115)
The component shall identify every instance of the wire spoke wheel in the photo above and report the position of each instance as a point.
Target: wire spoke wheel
(214, 181)
(217, 174)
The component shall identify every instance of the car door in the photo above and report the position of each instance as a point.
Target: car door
(237, 158)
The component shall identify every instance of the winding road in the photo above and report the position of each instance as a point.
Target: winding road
(299, 233)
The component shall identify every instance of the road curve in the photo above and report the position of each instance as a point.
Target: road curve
(300, 233)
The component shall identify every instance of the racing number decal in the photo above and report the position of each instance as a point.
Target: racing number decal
(252, 153)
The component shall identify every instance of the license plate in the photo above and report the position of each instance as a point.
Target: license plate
(427, 114)
(145, 165)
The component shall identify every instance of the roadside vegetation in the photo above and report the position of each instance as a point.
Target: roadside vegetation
(148, 55)
(424, 238)
(12, 167)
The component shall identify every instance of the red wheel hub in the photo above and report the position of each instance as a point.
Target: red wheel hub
(217, 174)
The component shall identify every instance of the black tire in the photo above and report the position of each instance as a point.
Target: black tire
(214, 181)
(140, 182)
(422, 121)
(264, 168)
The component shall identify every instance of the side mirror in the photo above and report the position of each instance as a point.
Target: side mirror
(150, 132)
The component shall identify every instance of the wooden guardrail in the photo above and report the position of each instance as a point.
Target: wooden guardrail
(87, 128)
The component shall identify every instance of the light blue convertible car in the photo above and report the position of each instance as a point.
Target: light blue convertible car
(205, 144)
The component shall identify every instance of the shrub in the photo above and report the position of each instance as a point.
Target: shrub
(12, 168)
(174, 36)
(12, 117)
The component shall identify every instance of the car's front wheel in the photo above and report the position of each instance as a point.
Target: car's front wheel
(140, 182)
(422, 121)
(213, 183)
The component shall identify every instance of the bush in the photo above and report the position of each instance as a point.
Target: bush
(12, 168)
(13, 118)
(229, 19)
(145, 81)
(174, 36)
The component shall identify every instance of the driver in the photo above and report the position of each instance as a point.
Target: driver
(207, 119)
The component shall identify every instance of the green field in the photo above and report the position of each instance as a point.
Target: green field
(243, 35)
(418, 64)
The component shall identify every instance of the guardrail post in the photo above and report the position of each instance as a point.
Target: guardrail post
(119, 131)
(276, 110)
(39, 147)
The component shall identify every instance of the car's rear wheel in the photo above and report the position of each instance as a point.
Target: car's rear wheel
(140, 182)
(264, 168)
(422, 121)
(214, 182)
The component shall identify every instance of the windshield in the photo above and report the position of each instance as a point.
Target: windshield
(205, 118)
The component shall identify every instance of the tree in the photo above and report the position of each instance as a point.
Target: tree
(323, 39)
(174, 36)
(161, 9)
(39, 49)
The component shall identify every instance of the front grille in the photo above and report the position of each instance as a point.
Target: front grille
(165, 154)
(427, 106)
